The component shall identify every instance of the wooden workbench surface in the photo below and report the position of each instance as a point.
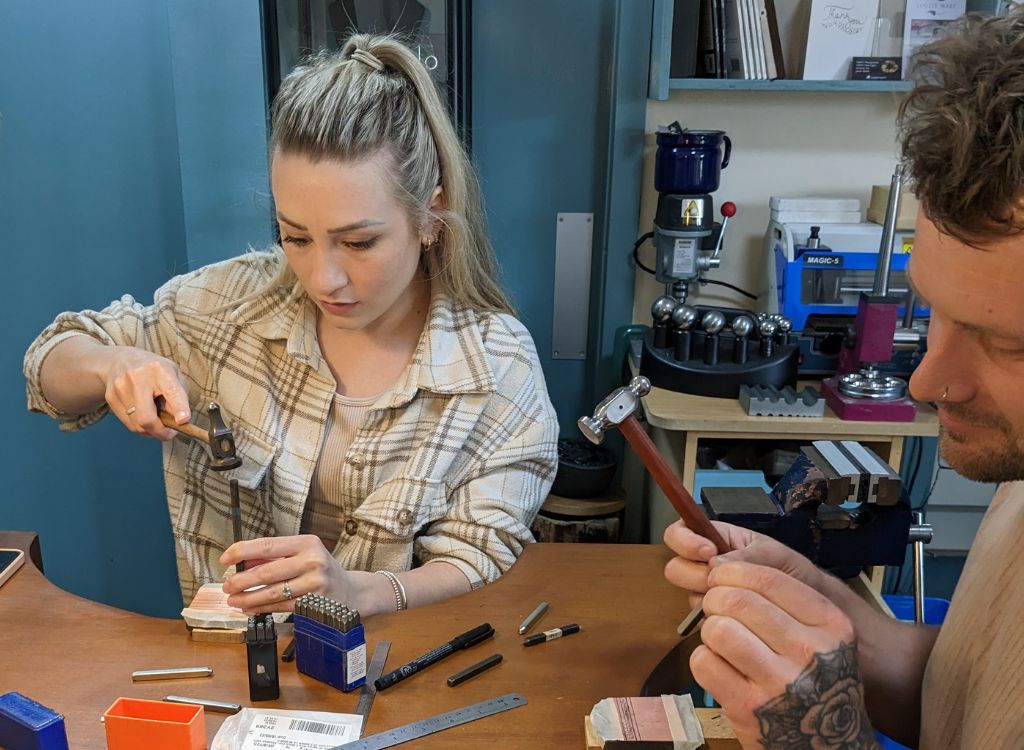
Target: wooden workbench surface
(75, 656)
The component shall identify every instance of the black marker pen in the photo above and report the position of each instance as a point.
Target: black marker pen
(470, 638)
(550, 635)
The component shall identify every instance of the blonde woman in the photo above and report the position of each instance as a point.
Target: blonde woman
(396, 434)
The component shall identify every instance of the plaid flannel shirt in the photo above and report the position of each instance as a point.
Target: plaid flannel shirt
(452, 463)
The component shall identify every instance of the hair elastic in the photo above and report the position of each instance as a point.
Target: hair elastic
(367, 58)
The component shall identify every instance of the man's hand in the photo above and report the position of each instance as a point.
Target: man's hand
(782, 661)
(696, 557)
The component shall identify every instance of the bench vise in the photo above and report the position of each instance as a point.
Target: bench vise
(840, 505)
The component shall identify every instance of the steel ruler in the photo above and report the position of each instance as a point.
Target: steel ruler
(436, 723)
(369, 691)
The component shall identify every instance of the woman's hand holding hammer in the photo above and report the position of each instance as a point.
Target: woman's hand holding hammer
(135, 379)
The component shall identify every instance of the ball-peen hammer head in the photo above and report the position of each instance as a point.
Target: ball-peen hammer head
(614, 410)
(222, 442)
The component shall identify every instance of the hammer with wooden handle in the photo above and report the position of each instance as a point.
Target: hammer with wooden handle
(618, 411)
(225, 457)
(218, 437)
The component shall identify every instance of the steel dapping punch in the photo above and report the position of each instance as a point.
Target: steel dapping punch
(531, 619)
(618, 410)
(481, 666)
(289, 652)
(261, 651)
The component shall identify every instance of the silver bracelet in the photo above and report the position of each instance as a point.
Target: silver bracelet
(400, 601)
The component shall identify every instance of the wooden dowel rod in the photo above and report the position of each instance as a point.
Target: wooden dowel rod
(670, 484)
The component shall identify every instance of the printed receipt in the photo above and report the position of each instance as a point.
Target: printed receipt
(263, 729)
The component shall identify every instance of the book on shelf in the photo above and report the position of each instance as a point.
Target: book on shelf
(737, 57)
(754, 9)
(773, 41)
(927, 20)
(708, 62)
(730, 38)
(838, 32)
(749, 53)
(684, 55)
(718, 8)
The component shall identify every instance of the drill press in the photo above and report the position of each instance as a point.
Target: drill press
(709, 351)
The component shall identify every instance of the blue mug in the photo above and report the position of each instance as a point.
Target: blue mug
(690, 162)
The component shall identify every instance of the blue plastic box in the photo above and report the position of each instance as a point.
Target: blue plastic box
(332, 656)
(27, 725)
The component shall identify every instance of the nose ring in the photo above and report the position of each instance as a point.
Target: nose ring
(945, 393)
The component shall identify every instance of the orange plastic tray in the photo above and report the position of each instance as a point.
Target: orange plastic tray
(132, 724)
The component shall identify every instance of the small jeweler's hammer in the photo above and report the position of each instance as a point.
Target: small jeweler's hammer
(618, 411)
(225, 457)
(218, 437)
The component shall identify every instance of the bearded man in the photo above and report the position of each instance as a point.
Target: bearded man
(795, 658)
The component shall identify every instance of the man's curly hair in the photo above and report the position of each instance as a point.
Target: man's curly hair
(962, 128)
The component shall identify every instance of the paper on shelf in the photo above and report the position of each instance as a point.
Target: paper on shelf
(925, 21)
(839, 30)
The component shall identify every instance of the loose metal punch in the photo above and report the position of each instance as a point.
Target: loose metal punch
(225, 457)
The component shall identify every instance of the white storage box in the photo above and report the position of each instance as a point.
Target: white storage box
(815, 210)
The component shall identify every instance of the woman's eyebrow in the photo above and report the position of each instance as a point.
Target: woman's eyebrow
(361, 224)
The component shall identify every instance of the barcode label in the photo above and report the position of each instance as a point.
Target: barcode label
(299, 730)
(317, 727)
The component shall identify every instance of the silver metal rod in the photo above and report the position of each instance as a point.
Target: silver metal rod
(918, 574)
(870, 290)
(180, 673)
(888, 234)
(908, 309)
(220, 707)
(532, 618)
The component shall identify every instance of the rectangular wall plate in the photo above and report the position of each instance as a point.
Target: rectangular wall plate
(574, 234)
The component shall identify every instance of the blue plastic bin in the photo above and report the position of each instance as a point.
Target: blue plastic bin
(903, 608)
(727, 478)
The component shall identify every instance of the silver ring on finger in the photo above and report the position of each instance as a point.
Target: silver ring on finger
(129, 411)
(286, 590)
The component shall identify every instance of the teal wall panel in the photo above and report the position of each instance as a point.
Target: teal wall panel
(93, 136)
(221, 110)
(558, 111)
